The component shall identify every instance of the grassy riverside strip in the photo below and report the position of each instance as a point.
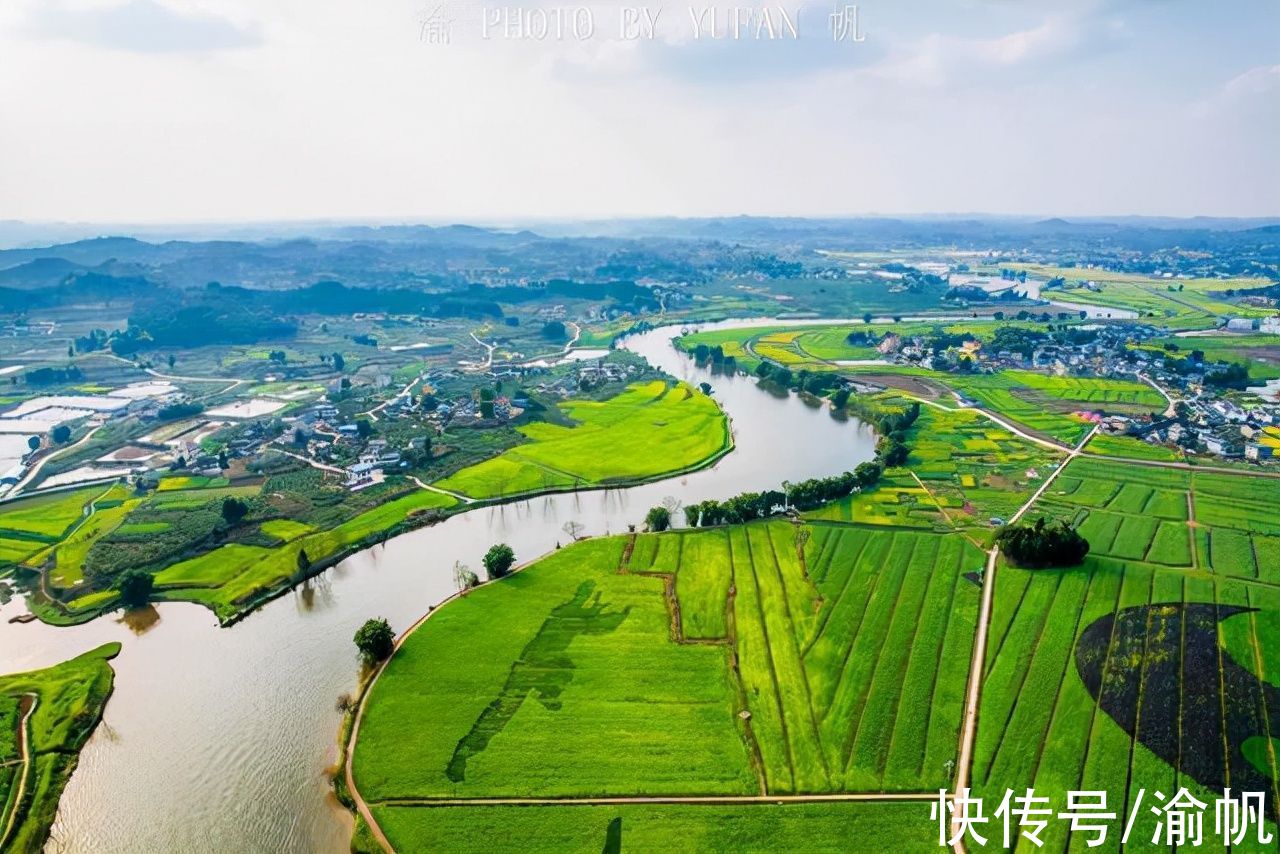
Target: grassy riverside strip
(650, 430)
(46, 716)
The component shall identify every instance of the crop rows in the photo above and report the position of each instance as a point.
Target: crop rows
(1107, 676)
(1041, 724)
(865, 635)
(1144, 514)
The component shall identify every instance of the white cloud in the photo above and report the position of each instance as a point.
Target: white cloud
(143, 26)
(340, 110)
(939, 59)
(1256, 81)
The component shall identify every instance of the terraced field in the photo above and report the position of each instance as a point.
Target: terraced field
(1040, 403)
(765, 658)
(57, 533)
(30, 526)
(232, 576)
(649, 430)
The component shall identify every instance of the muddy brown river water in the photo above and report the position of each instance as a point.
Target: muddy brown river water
(218, 739)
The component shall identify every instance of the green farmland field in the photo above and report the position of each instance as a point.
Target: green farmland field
(647, 431)
(228, 578)
(1147, 663)
(970, 470)
(1130, 448)
(45, 518)
(69, 701)
(782, 658)
(704, 829)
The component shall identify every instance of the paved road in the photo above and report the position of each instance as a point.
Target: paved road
(1171, 409)
(35, 470)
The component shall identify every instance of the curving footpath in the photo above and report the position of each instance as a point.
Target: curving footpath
(24, 745)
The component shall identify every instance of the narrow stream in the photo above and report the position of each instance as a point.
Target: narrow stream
(218, 739)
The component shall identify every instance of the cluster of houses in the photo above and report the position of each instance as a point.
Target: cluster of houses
(1214, 426)
(1206, 421)
(337, 440)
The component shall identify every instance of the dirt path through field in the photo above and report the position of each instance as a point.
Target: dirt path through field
(969, 729)
(24, 749)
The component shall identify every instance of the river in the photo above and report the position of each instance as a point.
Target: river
(218, 739)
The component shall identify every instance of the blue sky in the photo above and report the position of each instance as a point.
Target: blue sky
(204, 110)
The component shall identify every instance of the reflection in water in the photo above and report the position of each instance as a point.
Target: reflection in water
(219, 738)
(316, 592)
(140, 620)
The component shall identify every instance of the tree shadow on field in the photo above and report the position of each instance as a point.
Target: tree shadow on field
(1169, 683)
(543, 670)
(613, 837)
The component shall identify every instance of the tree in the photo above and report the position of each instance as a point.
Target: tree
(554, 330)
(363, 428)
(34, 443)
(464, 578)
(840, 398)
(339, 363)
(498, 560)
(172, 361)
(573, 529)
(223, 462)
(234, 510)
(299, 437)
(1042, 545)
(705, 388)
(61, 434)
(375, 640)
(866, 317)
(304, 566)
(658, 519)
(135, 586)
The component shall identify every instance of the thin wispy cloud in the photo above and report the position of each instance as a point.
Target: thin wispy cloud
(138, 26)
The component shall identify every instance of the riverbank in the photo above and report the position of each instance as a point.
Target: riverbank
(223, 698)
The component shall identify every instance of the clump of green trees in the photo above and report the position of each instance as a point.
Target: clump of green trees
(1043, 545)
(375, 641)
(135, 586)
(658, 519)
(499, 560)
(716, 358)
(891, 451)
(813, 382)
(805, 495)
